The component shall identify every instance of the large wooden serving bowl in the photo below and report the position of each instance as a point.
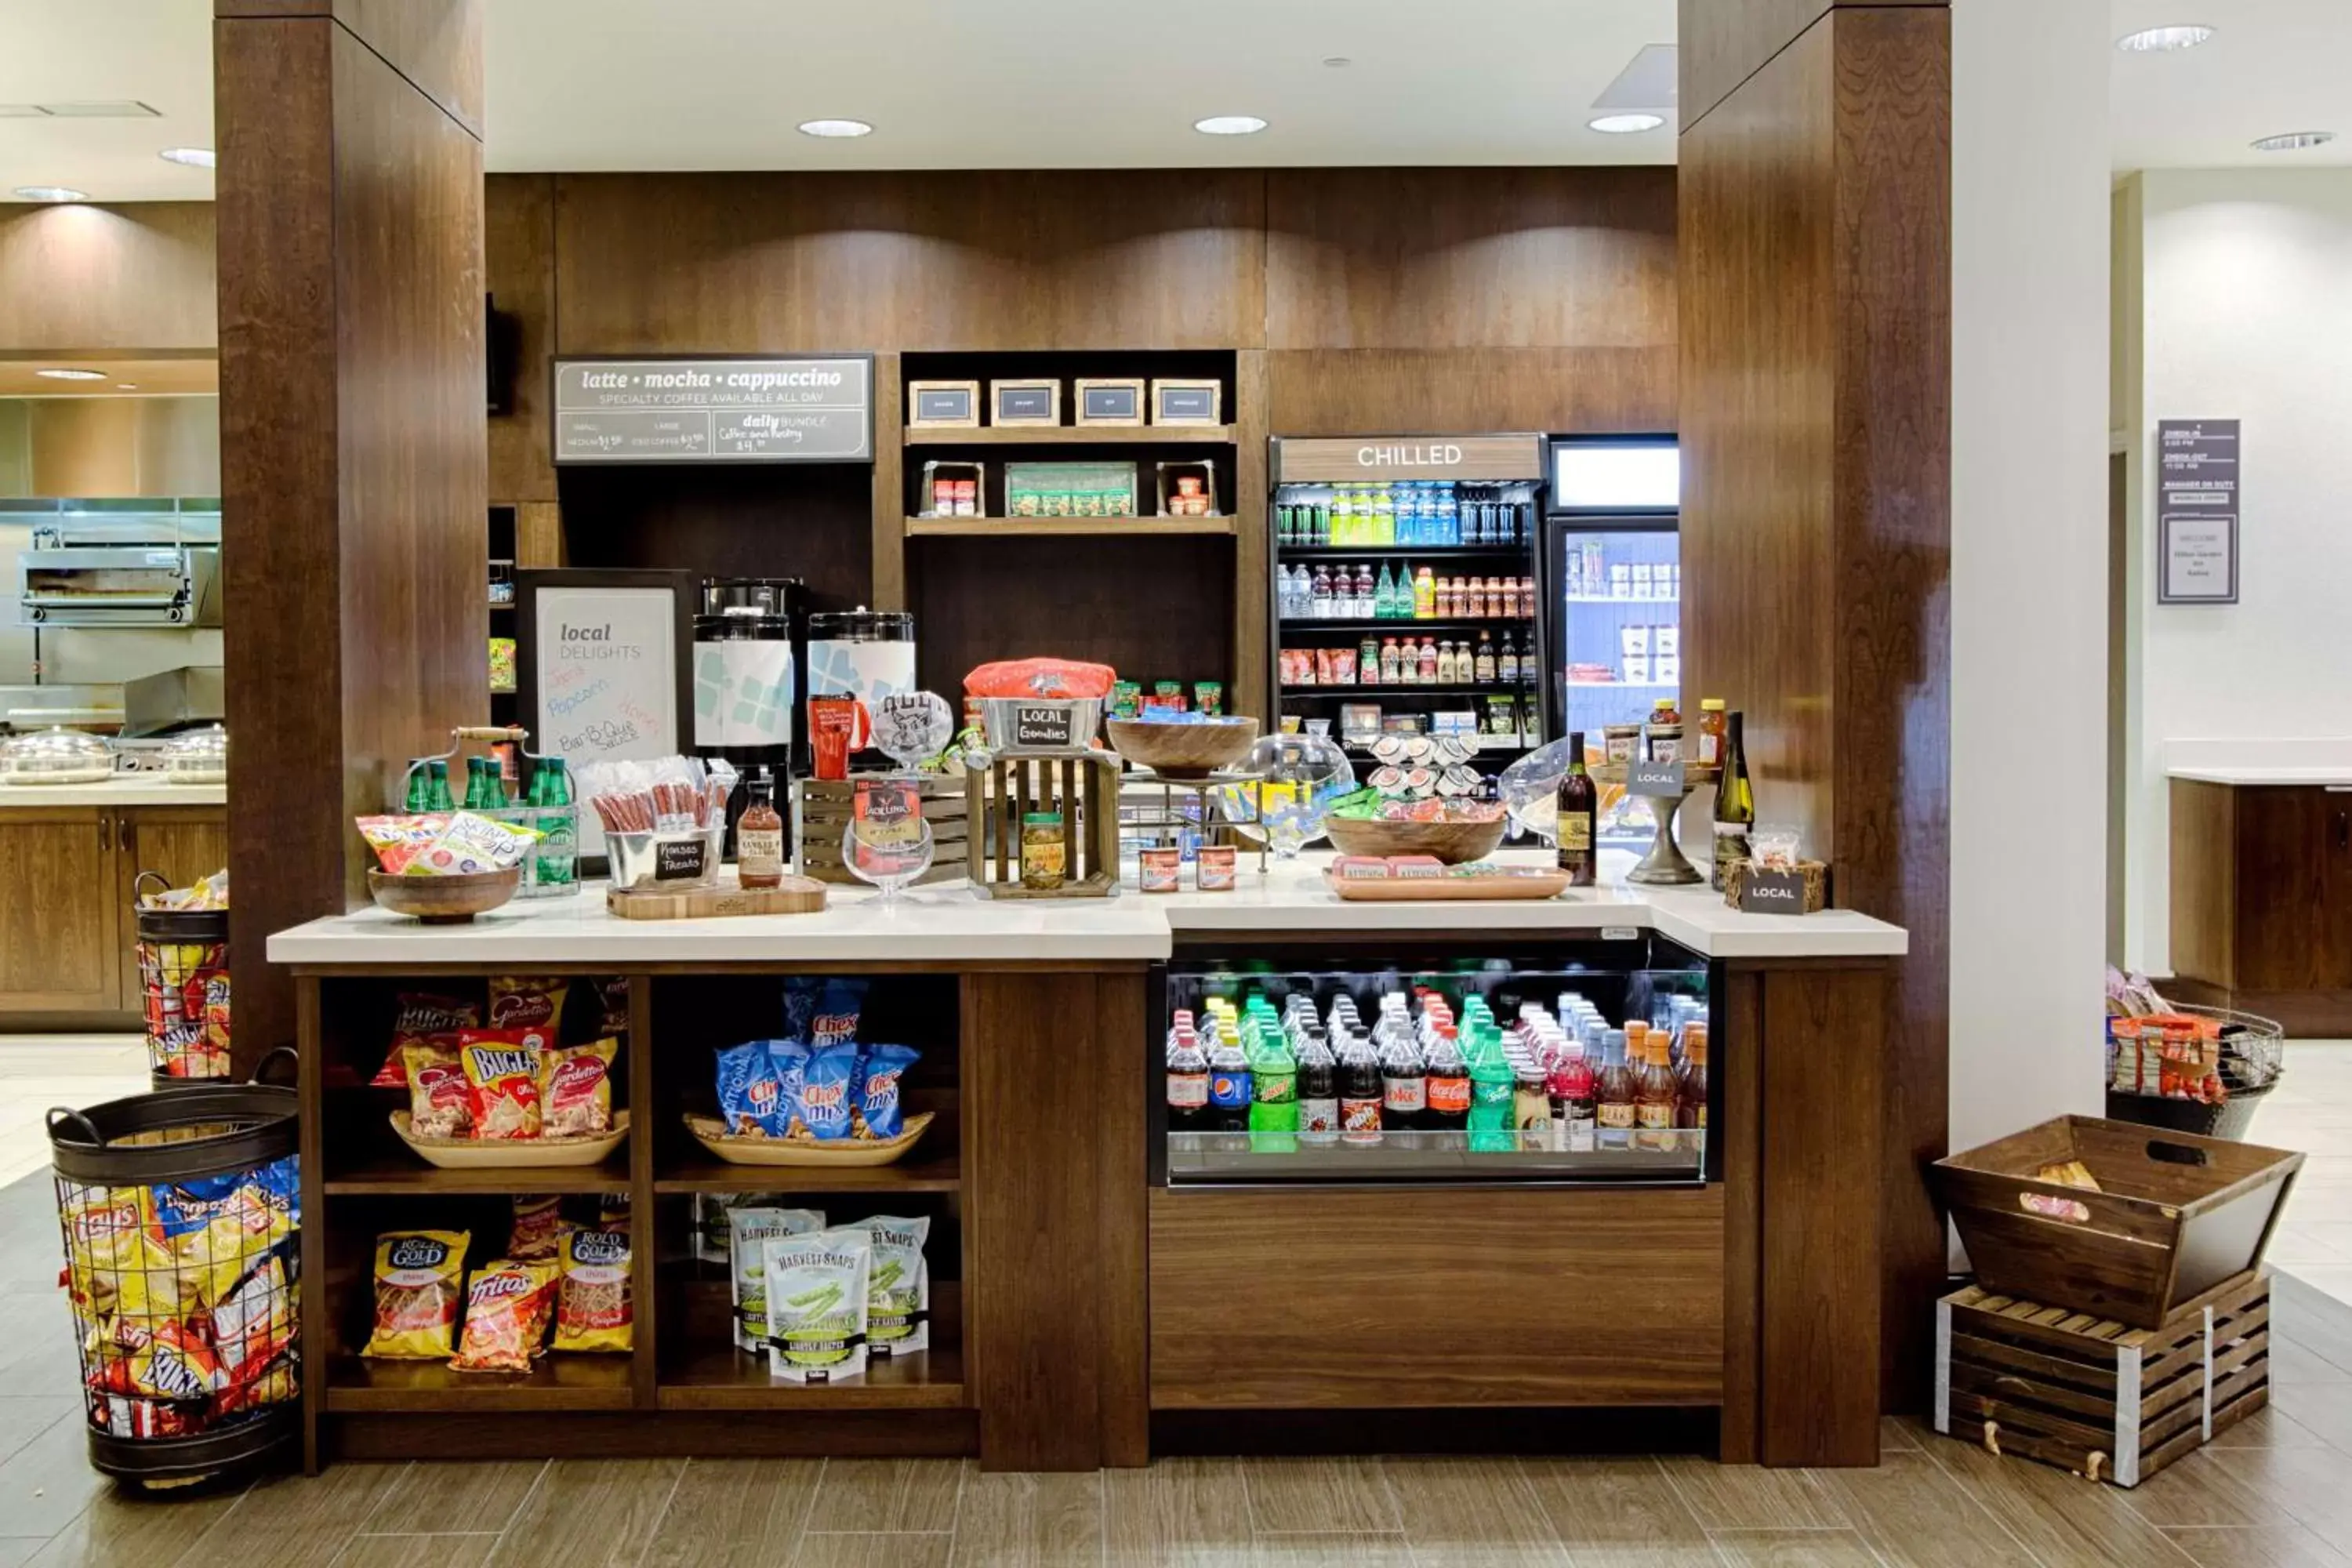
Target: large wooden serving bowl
(1456, 843)
(1183, 750)
(445, 901)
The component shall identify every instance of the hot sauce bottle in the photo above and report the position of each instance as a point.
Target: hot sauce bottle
(759, 839)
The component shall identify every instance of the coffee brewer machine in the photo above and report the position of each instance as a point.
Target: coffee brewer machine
(747, 638)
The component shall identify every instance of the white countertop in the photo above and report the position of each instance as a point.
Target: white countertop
(2259, 774)
(951, 924)
(123, 789)
(2285, 760)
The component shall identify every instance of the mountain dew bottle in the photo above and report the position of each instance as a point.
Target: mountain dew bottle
(1274, 1079)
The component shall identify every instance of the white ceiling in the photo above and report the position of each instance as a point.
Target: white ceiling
(719, 84)
(2272, 67)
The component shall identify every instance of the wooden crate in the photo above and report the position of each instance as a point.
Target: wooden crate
(1083, 783)
(823, 817)
(2096, 1395)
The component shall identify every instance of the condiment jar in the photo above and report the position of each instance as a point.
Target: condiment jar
(1043, 860)
(1622, 743)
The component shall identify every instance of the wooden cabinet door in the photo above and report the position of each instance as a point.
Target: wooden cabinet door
(179, 844)
(2337, 825)
(2291, 926)
(60, 911)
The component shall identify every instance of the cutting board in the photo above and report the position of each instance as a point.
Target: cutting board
(796, 896)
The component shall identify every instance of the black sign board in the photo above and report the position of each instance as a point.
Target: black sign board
(1187, 405)
(680, 859)
(1657, 781)
(2197, 509)
(1763, 892)
(1107, 403)
(1029, 402)
(1045, 726)
(715, 410)
(950, 405)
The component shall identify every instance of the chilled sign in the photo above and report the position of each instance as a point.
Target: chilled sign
(1495, 459)
(1431, 455)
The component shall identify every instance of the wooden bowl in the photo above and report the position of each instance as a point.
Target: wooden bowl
(1183, 750)
(445, 901)
(1456, 843)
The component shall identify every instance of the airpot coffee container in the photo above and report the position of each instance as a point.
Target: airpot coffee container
(861, 653)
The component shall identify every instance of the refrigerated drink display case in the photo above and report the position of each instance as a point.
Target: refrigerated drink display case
(1612, 593)
(1582, 1063)
(1406, 594)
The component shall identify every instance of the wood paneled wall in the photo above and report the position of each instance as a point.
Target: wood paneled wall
(353, 447)
(1815, 203)
(107, 282)
(1415, 299)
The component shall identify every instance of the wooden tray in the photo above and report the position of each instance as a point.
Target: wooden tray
(1418, 889)
(707, 1132)
(491, 1153)
(794, 895)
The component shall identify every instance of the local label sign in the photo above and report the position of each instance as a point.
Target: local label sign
(715, 411)
(1763, 892)
(1657, 781)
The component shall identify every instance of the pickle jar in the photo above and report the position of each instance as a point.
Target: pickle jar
(1044, 859)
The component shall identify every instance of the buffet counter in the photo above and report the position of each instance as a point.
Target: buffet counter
(1101, 1293)
(121, 790)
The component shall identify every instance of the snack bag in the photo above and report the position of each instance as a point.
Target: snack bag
(819, 1010)
(575, 1089)
(417, 1293)
(826, 1089)
(503, 1079)
(506, 1311)
(611, 993)
(749, 1097)
(255, 1321)
(469, 844)
(440, 1103)
(1050, 677)
(898, 1287)
(524, 1002)
(539, 1229)
(592, 1306)
(613, 1211)
(816, 1290)
(747, 1230)
(397, 840)
(423, 1019)
(881, 1112)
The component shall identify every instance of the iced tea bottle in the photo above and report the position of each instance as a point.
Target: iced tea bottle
(1655, 1097)
(1613, 1112)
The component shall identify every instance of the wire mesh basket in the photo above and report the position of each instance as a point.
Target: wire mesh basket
(2193, 1070)
(181, 1217)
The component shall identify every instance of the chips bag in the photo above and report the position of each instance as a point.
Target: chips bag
(613, 1002)
(440, 1102)
(592, 1306)
(575, 1089)
(898, 1287)
(503, 1079)
(539, 1229)
(524, 1002)
(506, 1314)
(816, 1290)
(613, 1211)
(417, 1293)
(467, 845)
(826, 1089)
(747, 1230)
(819, 1010)
(752, 1090)
(423, 1019)
(255, 1321)
(881, 1112)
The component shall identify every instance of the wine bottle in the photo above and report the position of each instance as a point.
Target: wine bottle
(1735, 803)
(1579, 806)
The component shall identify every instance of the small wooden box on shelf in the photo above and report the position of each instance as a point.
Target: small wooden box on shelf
(824, 813)
(1109, 400)
(1185, 399)
(1031, 400)
(943, 405)
(1082, 784)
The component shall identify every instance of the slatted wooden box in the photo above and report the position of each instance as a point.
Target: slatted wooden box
(1083, 785)
(2096, 1395)
(823, 817)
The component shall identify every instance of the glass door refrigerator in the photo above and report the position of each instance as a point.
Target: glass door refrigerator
(1612, 595)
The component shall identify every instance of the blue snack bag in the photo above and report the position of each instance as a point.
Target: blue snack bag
(790, 1060)
(828, 1090)
(879, 1104)
(750, 1091)
(820, 1009)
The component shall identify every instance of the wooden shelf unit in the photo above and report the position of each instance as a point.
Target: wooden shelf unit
(1077, 436)
(919, 1172)
(709, 1373)
(556, 1382)
(1064, 527)
(396, 1174)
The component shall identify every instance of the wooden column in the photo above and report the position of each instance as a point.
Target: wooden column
(353, 436)
(1815, 259)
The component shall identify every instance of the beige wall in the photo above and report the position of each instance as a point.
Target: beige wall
(95, 281)
(109, 446)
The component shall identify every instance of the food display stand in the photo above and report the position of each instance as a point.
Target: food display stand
(1102, 1287)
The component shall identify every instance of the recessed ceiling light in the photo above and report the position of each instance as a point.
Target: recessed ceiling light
(836, 128)
(2295, 140)
(1338, 62)
(51, 194)
(1626, 124)
(193, 157)
(72, 375)
(2163, 40)
(1229, 126)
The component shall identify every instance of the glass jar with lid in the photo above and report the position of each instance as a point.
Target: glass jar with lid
(58, 756)
(197, 757)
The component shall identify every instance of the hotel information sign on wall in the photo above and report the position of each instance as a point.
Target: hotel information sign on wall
(1310, 461)
(715, 410)
(2197, 508)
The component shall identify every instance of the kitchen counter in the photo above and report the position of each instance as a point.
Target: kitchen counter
(2338, 775)
(949, 924)
(123, 789)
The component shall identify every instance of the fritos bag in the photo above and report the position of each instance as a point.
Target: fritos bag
(416, 1274)
(592, 1306)
(440, 1103)
(503, 1079)
(506, 1315)
(575, 1089)
(425, 1018)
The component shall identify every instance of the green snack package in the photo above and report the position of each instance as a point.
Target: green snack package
(899, 1288)
(816, 1304)
(748, 1229)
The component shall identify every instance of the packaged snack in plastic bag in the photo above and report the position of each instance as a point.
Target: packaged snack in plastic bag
(750, 1091)
(440, 1102)
(538, 1227)
(827, 1088)
(397, 840)
(527, 1002)
(502, 1076)
(575, 1089)
(748, 1229)
(816, 1304)
(255, 1321)
(1046, 678)
(469, 844)
(613, 1002)
(506, 1315)
(881, 1109)
(821, 1009)
(416, 1274)
(423, 1019)
(898, 1287)
(592, 1305)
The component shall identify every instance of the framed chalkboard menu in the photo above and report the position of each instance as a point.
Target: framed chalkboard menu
(685, 410)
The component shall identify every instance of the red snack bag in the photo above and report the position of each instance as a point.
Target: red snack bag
(525, 1002)
(575, 1089)
(507, 1307)
(1046, 678)
(423, 1019)
(440, 1101)
(503, 1079)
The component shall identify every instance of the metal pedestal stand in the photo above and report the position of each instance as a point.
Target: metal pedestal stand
(1212, 812)
(1665, 866)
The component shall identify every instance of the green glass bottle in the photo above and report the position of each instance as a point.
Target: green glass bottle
(419, 798)
(556, 860)
(436, 794)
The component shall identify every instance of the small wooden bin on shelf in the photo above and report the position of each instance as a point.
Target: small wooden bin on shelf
(1814, 899)
(1082, 784)
(824, 813)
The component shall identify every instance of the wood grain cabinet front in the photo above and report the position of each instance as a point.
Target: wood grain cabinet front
(61, 913)
(179, 844)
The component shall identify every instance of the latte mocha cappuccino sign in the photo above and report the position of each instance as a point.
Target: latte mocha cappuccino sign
(1307, 460)
(715, 411)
